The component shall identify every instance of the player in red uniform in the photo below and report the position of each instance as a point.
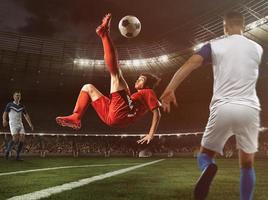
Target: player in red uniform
(121, 108)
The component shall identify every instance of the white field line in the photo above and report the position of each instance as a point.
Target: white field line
(65, 167)
(82, 182)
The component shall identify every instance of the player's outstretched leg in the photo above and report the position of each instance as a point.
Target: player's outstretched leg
(110, 54)
(74, 120)
(202, 186)
(209, 170)
(104, 29)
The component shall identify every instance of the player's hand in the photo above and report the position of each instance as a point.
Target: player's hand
(5, 123)
(167, 98)
(147, 138)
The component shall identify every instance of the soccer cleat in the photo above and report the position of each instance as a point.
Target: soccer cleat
(202, 186)
(104, 28)
(69, 121)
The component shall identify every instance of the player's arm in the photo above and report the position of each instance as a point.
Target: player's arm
(168, 95)
(155, 121)
(5, 122)
(28, 119)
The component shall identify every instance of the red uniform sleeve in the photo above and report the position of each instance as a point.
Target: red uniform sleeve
(150, 99)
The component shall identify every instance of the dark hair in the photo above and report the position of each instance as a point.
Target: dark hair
(151, 80)
(234, 18)
(17, 91)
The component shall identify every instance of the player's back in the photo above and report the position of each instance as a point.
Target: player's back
(236, 62)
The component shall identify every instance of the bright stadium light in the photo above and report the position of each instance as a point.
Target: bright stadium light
(136, 62)
(83, 62)
(80, 62)
(175, 133)
(257, 23)
(163, 58)
(143, 61)
(199, 46)
(99, 62)
(151, 60)
(128, 63)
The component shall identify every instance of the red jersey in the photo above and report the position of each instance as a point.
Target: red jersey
(144, 100)
(120, 110)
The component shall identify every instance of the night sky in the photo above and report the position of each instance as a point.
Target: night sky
(77, 20)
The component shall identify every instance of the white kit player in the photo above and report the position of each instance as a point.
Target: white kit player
(234, 108)
(14, 111)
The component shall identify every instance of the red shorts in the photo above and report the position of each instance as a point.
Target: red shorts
(116, 110)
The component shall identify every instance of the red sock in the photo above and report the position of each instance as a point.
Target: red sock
(82, 103)
(110, 54)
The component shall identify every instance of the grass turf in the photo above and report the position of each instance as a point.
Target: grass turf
(170, 179)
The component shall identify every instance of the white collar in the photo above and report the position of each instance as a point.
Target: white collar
(16, 103)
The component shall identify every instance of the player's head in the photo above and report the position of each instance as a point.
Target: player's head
(147, 81)
(233, 22)
(17, 95)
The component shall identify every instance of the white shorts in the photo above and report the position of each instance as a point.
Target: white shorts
(16, 129)
(232, 119)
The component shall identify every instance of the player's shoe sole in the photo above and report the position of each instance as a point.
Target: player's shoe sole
(202, 186)
(65, 122)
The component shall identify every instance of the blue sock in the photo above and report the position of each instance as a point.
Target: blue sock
(10, 146)
(19, 149)
(204, 161)
(247, 183)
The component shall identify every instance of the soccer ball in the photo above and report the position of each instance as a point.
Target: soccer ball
(129, 26)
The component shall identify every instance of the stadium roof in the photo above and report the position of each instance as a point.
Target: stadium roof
(161, 55)
(46, 60)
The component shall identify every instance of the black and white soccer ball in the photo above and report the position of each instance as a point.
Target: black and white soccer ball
(129, 26)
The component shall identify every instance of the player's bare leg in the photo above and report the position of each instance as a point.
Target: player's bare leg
(87, 94)
(110, 56)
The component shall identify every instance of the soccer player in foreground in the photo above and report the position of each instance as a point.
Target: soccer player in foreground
(13, 112)
(234, 108)
(121, 108)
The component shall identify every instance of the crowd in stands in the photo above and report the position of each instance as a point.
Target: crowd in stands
(119, 145)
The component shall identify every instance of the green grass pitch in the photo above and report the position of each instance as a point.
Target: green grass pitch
(170, 179)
